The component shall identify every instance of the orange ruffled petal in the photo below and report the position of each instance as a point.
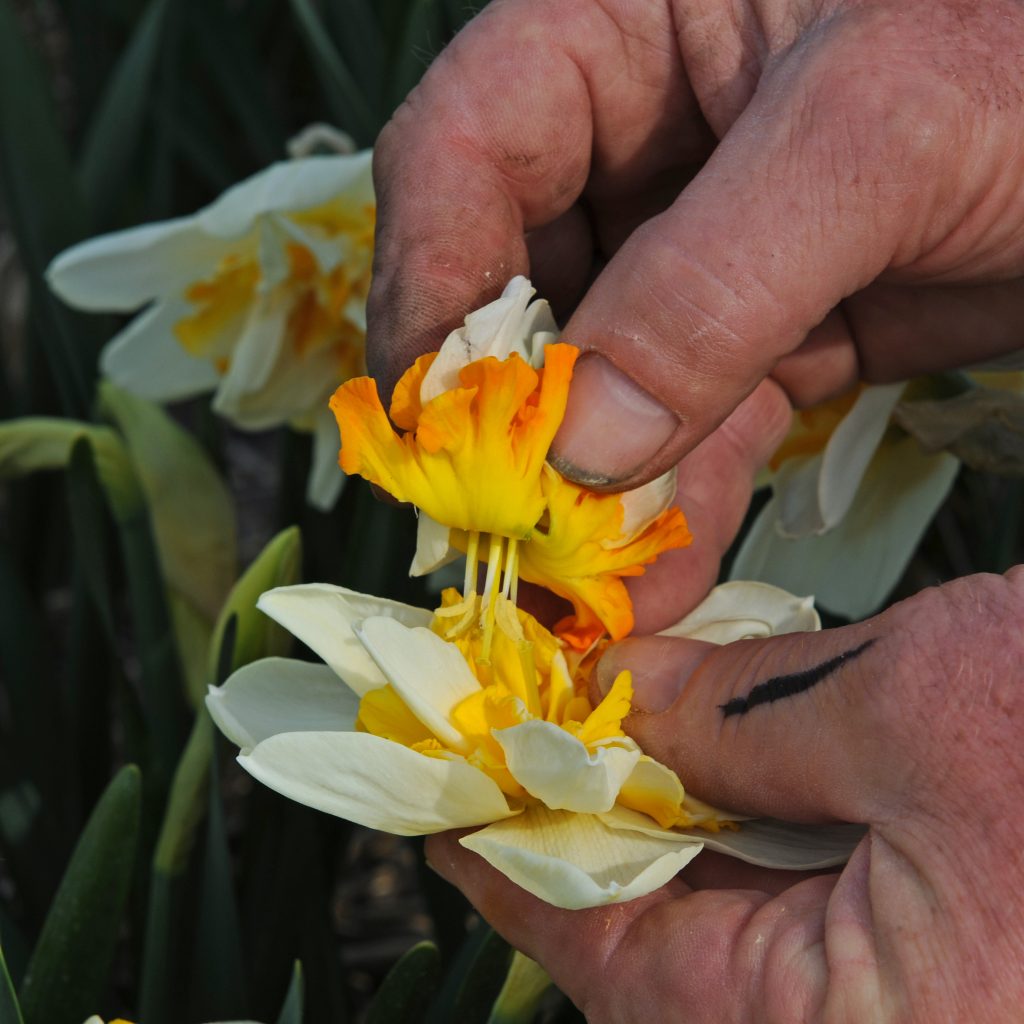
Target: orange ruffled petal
(582, 557)
(473, 457)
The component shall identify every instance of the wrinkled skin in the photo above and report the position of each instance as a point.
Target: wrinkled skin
(746, 206)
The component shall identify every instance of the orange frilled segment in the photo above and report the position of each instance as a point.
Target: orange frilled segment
(581, 555)
(473, 457)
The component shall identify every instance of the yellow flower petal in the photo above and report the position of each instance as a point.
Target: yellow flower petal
(474, 461)
(582, 556)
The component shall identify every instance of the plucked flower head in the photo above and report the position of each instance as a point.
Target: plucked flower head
(475, 421)
(259, 298)
(422, 734)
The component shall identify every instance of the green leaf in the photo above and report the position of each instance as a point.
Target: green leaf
(160, 986)
(483, 980)
(344, 97)
(408, 987)
(10, 1012)
(191, 507)
(36, 443)
(423, 36)
(217, 978)
(115, 131)
(258, 636)
(291, 1010)
(475, 979)
(71, 962)
(89, 528)
(520, 996)
(42, 201)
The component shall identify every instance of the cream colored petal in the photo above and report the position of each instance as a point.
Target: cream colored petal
(641, 506)
(146, 358)
(743, 609)
(851, 569)
(326, 479)
(501, 327)
(322, 616)
(851, 447)
(290, 185)
(815, 493)
(375, 782)
(574, 861)
(433, 550)
(277, 695)
(764, 841)
(430, 675)
(126, 269)
(255, 354)
(560, 771)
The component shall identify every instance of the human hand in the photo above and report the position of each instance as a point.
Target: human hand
(909, 723)
(854, 168)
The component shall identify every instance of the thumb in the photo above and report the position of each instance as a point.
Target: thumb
(852, 724)
(799, 206)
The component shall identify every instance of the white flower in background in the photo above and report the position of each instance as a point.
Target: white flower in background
(426, 735)
(851, 498)
(260, 298)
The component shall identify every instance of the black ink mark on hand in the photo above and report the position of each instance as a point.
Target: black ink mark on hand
(786, 686)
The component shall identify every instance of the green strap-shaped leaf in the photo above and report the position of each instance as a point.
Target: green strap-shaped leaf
(520, 996)
(257, 636)
(291, 1010)
(344, 97)
(70, 965)
(36, 443)
(115, 130)
(190, 505)
(475, 979)
(10, 1012)
(42, 201)
(408, 987)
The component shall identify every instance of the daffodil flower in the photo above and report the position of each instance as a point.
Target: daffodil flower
(477, 420)
(259, 297)
(851, 497)
(406, 731)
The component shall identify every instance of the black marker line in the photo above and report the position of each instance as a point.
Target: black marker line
(786, 686)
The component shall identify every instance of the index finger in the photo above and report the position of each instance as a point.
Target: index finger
(507, 128)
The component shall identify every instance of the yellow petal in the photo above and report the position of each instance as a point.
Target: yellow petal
(582, 556)
(475, 459)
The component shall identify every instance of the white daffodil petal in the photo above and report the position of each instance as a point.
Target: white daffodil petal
(126, 269)
(429, 674)
(375, 782)
(744, 609)
(146, 358)
(322, 616)
(851, 569)
(574, 861)
(850, 449)
(325, 476)
(289, 185)
(501, 327)
(641, 506)
(433, 549)
(763, 841)
(256, 352)
(277, 695)
(560, 771)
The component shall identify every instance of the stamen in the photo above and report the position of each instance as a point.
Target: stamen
(495, 557)
(472, 550)
(511, 569)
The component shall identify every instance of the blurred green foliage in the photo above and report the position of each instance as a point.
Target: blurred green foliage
(141, 874)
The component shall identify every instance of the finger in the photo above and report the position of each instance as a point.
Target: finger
(868, 723)
(892, 332)
(716, 952)
(806, 200)
(502, 135)
(715, 484)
